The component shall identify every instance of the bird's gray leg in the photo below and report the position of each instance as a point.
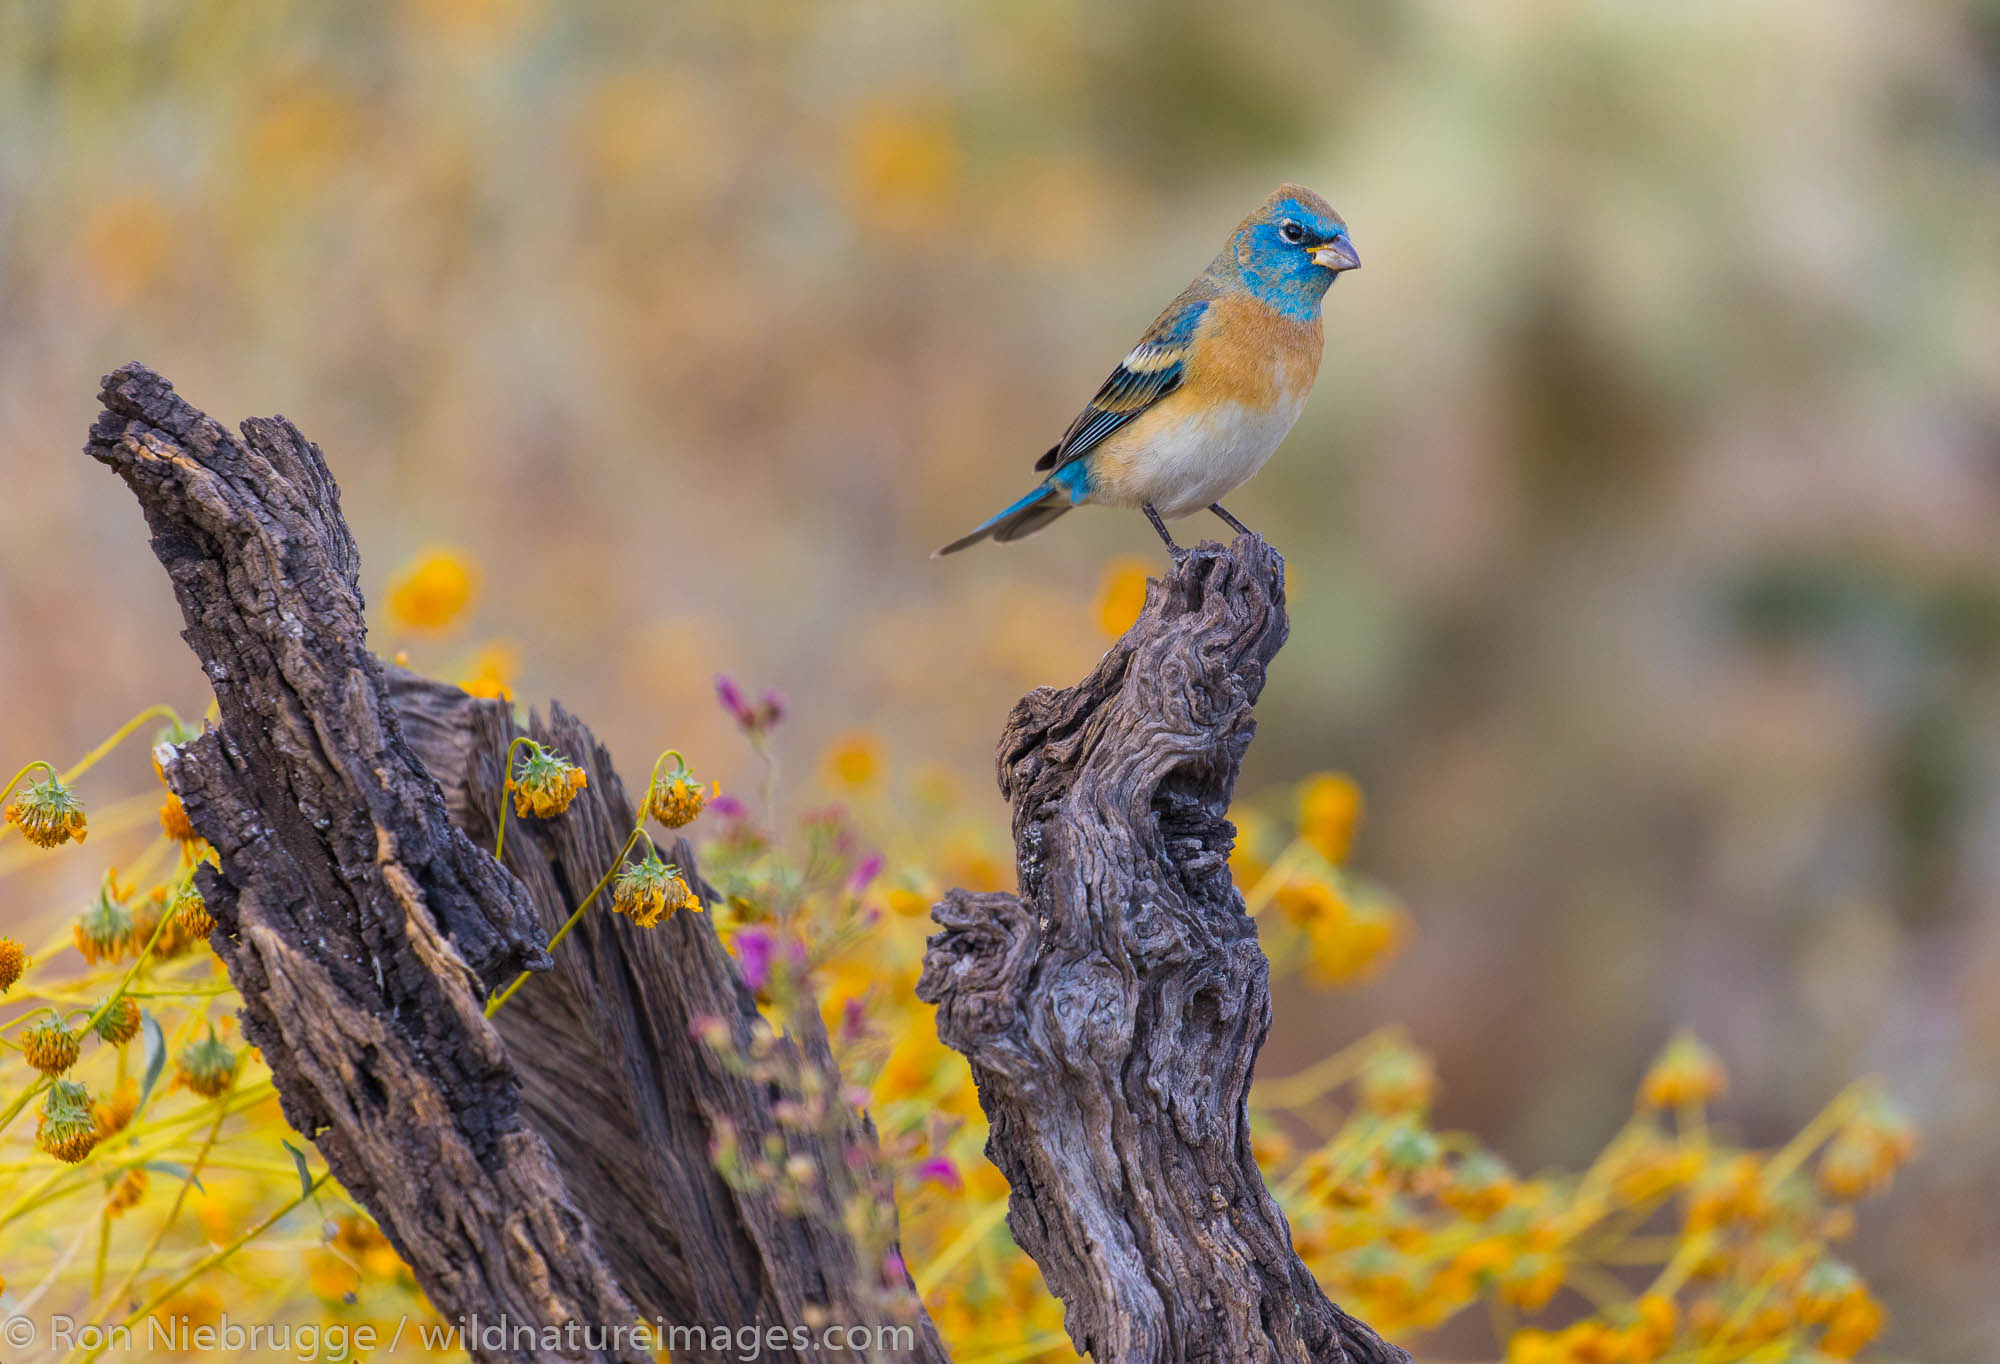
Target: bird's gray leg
(1219, 510)
(1161, 527)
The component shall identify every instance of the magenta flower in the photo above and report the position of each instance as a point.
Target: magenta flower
(853, 1020)
(757, 719)
(727, 692)
(755, 948)
(940, 1170)
(870, 868)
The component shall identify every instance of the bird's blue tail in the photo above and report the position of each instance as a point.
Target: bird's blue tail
(1025, 517)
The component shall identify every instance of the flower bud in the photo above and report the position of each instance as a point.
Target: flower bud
(206, 1067)
(675, 799)
(544, 783)
(104, 931)
(647, 890)
(50, 1047)
(48, 814)
(65, 1128)
(119, 1024)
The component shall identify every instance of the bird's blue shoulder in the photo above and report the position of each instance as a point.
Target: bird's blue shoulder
(1154, 368)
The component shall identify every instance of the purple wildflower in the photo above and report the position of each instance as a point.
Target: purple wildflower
(754, 949)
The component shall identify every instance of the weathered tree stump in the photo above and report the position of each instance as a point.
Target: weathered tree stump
(555, 1173)
(361, 927)
(1112, 1011)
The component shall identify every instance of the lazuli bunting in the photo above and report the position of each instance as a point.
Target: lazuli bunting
(1212, 387)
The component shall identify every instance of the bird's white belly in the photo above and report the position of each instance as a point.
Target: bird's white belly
(1184, 465)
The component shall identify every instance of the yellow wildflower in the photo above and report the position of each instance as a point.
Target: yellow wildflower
(544, 783)
(1357, 943)
(1821, 1289)
(433, 591)
(126, 1193)
(50, 1047)
(492, 671)
(111, 1116)
(1270, 1148)
(675, 799)
(104, 931)
(1685, 1073)
(1121, 594)
(1531, 1281)
(48, 814)
(1409, 1157)
(1732, 1194)
(1652, 1333)
(646, 890)
(206, 1067)
(1330, 809)
(1532, 1345)
(1397, 1078)
(1867, 1150)
(363, 1243)
(1252, 833)
(119, 1023)
(1311, 902)
(13, 961)
(174, 820)
(1855, 1320)
(854, 762)
(65, 1128)
(145, 913)
(192, 921)
(908, 903)
(1480, 1186)
(1655, 1166)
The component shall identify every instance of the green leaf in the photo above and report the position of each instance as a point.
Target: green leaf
(175, 1169)
(305, 1175)
(156, 1056)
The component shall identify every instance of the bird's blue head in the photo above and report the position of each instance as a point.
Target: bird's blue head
(1288, 251)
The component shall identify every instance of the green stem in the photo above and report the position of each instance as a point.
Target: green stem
(1795, 1151)
(493, 1005)
(15, 780)
(506, 790)
(92, 758)
(638, 832)
(13, 1110)
(209, 1262)
(118, 736)
(222, 1111)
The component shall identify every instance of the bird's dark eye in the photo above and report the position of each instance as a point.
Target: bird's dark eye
(1292, 232)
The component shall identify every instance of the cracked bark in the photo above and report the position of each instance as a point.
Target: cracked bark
(1113, 1010)
(358, 923)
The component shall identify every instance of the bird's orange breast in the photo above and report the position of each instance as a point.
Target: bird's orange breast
(1248, 352)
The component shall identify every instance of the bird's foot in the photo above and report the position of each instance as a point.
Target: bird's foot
(1173, 549)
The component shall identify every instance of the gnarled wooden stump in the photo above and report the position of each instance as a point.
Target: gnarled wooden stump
(556, 1173)
(359, 924)
(1113, 1010)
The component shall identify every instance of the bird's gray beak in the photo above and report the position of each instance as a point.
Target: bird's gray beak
(1336, 255)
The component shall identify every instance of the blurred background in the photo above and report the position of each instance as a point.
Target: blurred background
(1644, 528)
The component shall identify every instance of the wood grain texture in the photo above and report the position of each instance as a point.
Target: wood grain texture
(357, 922)
(632, 1102)
(1112, 1011)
